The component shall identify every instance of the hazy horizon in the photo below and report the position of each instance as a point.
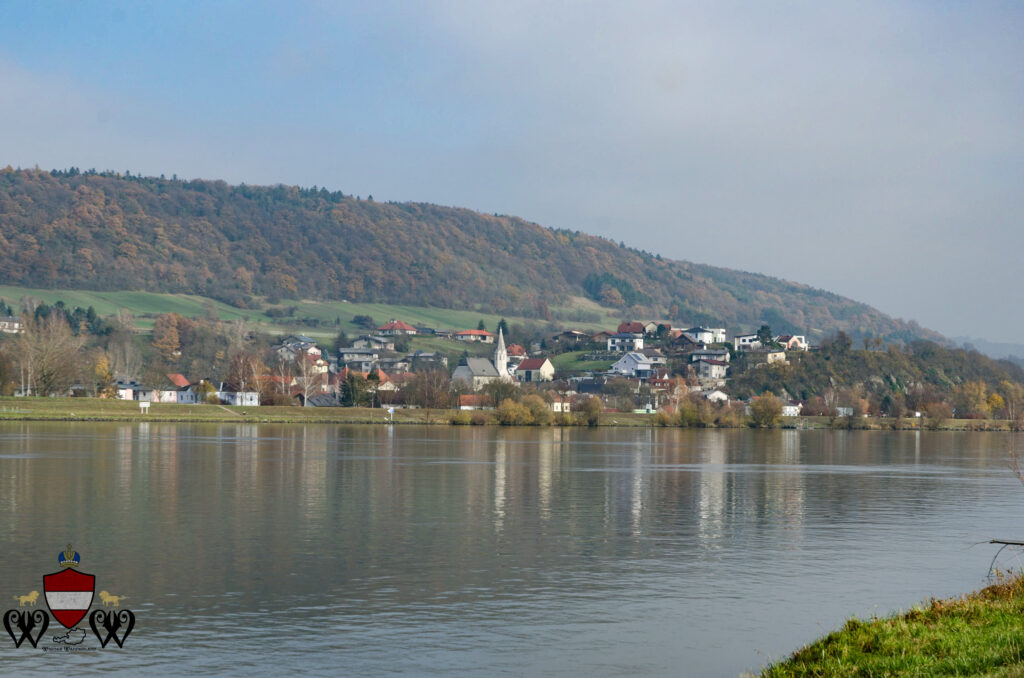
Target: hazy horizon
(872, 150)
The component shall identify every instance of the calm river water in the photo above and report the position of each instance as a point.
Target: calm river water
(435, 551)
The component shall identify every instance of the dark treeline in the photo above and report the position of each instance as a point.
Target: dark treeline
(891, 380)
(112, 231)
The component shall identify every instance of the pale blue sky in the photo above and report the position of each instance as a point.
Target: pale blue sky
(876, 150)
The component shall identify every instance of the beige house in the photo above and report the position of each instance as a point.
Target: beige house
(535, 369)
(482, 336)
(711, 369)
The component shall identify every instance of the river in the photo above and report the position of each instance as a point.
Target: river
(435, 551)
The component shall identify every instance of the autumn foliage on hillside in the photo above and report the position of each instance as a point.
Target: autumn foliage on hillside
(108, 231)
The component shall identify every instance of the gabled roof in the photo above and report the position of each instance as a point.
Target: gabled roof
(683, 338)
(402, 378)
(713, 362)
(178, 380)
(632, 327)
(374, 338)
(473, 400)
(475, 333)
(479, 367)
(639, 357)
(396, 325)
(516, 349)
(532, 364)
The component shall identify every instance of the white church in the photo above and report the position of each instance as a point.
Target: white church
(478, 372)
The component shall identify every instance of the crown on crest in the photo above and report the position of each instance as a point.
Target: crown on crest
(69, 558)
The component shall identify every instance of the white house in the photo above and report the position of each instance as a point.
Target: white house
(706, 335)
(561, 405)
(715, 396)
(240, 398)
(719, 354)
(634, 364)
(791, 409)
(626, 341)
(746, 342)
(10, 325)
(711, 369)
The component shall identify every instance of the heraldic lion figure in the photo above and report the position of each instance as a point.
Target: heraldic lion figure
(113, 601)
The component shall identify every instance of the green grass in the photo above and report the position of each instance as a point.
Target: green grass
(137, 303)
(147, 305)
(572, 361)
(98, 409)
(980, 634)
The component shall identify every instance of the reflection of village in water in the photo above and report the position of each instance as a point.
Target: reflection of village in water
(403, 513)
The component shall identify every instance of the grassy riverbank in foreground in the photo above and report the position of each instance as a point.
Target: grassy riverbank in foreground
(980, 634)
(100, 409)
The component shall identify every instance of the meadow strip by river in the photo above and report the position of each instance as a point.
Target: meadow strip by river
(102, 409)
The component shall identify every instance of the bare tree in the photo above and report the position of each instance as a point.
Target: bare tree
(284, 370)
(245, 370)
(48, 355)
(430, 389)
(125, 359)
(308, 377)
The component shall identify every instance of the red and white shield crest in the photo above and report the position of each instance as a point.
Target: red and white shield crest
(69, 595)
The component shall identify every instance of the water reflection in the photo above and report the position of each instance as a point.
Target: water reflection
(439, 550)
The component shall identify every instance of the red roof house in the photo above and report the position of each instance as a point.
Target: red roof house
(394, 327)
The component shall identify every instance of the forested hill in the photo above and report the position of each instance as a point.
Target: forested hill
(105, 231)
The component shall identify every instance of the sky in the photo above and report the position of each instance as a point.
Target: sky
(875, 150)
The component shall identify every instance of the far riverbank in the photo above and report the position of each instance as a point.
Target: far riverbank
(100, 409)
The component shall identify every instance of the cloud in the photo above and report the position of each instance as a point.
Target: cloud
(871, 149)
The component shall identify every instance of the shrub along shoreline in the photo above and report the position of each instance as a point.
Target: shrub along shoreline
(979, 634)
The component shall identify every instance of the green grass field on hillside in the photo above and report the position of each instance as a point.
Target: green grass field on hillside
(572, 361)
(337, 315)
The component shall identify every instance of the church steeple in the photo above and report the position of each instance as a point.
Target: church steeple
(501, 356)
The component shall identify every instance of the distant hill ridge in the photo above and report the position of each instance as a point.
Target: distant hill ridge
(106, 231)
